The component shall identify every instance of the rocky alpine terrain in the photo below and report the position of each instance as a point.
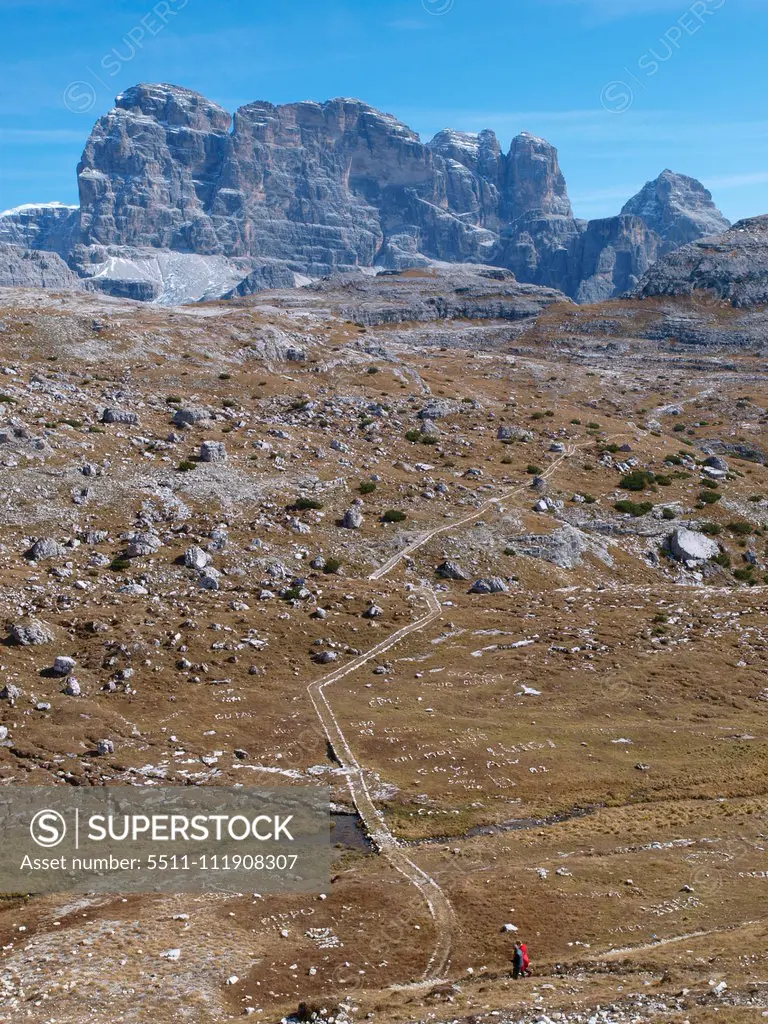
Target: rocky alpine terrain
(520, 547)
(181, 201)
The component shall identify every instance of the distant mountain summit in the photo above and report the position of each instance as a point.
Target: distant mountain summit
(180, 199)
(679, 209)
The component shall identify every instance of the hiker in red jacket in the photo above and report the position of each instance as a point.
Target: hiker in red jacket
(526, 971)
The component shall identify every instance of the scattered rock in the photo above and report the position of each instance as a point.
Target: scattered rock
(492, 585)
(45, 548)
(196, 558)
(31, 633)
(63, 665)
(353, 519)
(213, 451)
(450, 570)
(122, 416)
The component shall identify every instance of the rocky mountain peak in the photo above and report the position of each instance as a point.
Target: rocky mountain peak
(535, 181)
(678, 208)
(173, 105)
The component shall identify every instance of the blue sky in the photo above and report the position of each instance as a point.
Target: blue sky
(624, 88)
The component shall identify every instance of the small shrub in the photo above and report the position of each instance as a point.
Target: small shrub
(367, 487)
(744, 575)
(723, 559)
(741, 529)
(709, 497)
(332, 566)
(668, 513)
(186, 466)
(634, 508)
(711, 529)
(637, 480)
(663, 481)
(119, 564)
(307, 504)
(225, 376)
(533, 470)
(372, 369)
(394, 515)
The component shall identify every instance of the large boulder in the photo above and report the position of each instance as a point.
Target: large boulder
(691, 546)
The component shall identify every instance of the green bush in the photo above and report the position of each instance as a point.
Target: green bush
(723, 559)
(634, 508)
(741, 529)
(332, 566)
(307, 504)
(186, 466)
(394, 515)
(711, 529)
(367, 487)
(669, 513)
(637, 480)
(710, 497)
(533, 470)
(744, 575)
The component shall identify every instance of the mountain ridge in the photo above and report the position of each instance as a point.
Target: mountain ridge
(309, 189)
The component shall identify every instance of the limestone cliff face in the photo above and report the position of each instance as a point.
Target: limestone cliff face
(312, 189)
(731, 266)
(50, 226)
(150, 171)
(29, 268)
(609, 257)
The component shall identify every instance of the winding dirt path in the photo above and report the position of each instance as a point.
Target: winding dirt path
(386, 843)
